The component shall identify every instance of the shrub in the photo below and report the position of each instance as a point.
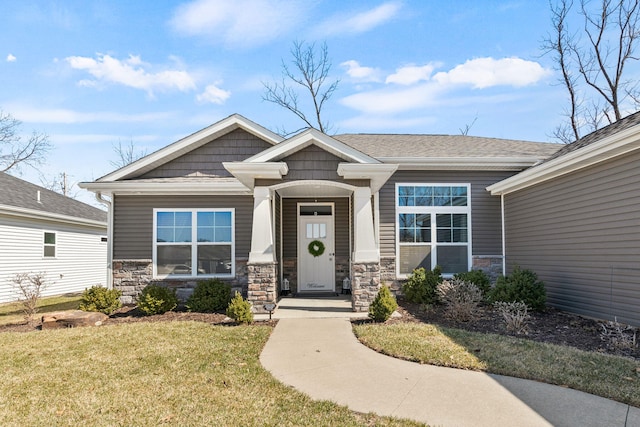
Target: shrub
(421, 285)
(239, 309)
(209, 296)
(618, 335)
(383, 305)
(156, 299)
(461, 298)
(29, 288)
(98, 298)
(478, 278)
(515, 315)
(521, 285)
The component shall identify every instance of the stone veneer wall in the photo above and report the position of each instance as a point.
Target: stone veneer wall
(490, 264)
(365, 283)
(262, 285)
(131, 276)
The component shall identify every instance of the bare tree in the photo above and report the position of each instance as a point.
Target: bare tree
(127, 154)
(310, 73)
(593, 62)
(60, 184)
(465, 130)
(14, 150)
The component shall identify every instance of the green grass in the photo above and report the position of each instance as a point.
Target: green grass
(149, 374)
(613, 377)
(11, 313)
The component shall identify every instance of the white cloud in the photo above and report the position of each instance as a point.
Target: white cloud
(11, 58)
(482, 73)
(238, 23)
(131, 72)
(361, 22)
(411, 74)
(214, 95)
(360, 73)
(59, 115)
(418, 90)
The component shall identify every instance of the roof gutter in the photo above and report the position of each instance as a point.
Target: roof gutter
(462, 163)
(35, 214)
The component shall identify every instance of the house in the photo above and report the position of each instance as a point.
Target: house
(238, 202)
(43, 232)
(575, 220)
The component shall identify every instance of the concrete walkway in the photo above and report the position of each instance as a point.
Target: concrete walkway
(322, 358)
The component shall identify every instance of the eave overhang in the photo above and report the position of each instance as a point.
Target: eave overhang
(48, 216)
(377, 173)
(607, 148)
(462, 163)
(168, 187)
(247, 173)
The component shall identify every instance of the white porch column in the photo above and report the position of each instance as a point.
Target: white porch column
(262, 230)
(364, 247)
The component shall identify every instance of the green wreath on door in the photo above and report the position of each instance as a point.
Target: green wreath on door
(316, 248)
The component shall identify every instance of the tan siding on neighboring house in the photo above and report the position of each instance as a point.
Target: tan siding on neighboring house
(485, 209)
(207, 160)
(133, 221)
(290, 225)
(581, 234)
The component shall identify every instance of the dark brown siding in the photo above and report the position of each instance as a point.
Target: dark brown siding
(207, 160)
(133, 221)
(290, 225)
(581, 234)
(485, 209)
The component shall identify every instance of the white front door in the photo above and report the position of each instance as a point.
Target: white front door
(316, 249)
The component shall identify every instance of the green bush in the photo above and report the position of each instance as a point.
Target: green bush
(156, 299)
(478, 278)
(521, 285)
(101, 299)
(383, 305)
(421, 286)
(209, 296)
(239, 309)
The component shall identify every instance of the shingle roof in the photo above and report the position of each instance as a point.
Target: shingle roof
(444, 146)
(599, 134)
(18, 193)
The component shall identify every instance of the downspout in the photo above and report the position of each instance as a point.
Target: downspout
(100, 198)
(504, 241)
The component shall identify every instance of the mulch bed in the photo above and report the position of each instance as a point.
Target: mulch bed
(551, 326)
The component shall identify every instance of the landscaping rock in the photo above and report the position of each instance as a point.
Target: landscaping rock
(72, 319)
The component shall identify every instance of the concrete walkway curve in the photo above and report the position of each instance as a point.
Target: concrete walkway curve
(322, 358)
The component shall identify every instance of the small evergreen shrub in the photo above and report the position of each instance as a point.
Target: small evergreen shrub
(383, 305)
(421, 285)
(209, 296)
(478, 278)
(461, 298)
(521, 285)
(101, 299)
(156, 299)
(239, 309)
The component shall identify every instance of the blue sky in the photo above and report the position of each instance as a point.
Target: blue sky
(92, 73)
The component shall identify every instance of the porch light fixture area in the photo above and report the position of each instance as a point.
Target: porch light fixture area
(378, 173)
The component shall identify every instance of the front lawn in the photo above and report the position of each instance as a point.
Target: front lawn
(613, 377)
(11, 313)
(154, 373)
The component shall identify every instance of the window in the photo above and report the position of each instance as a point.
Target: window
(49, 244)
(433, 227)
(189, 243)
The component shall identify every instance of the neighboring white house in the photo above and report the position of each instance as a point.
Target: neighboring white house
(42, 231)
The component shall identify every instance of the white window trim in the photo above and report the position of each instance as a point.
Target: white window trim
(433, 210)
(45, 245)
(194, 244)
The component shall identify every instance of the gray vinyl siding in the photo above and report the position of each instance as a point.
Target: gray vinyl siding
(133, 221)
(312, 162)
(290, 225)
(207, 160)
(581, 234)
(486, 220)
